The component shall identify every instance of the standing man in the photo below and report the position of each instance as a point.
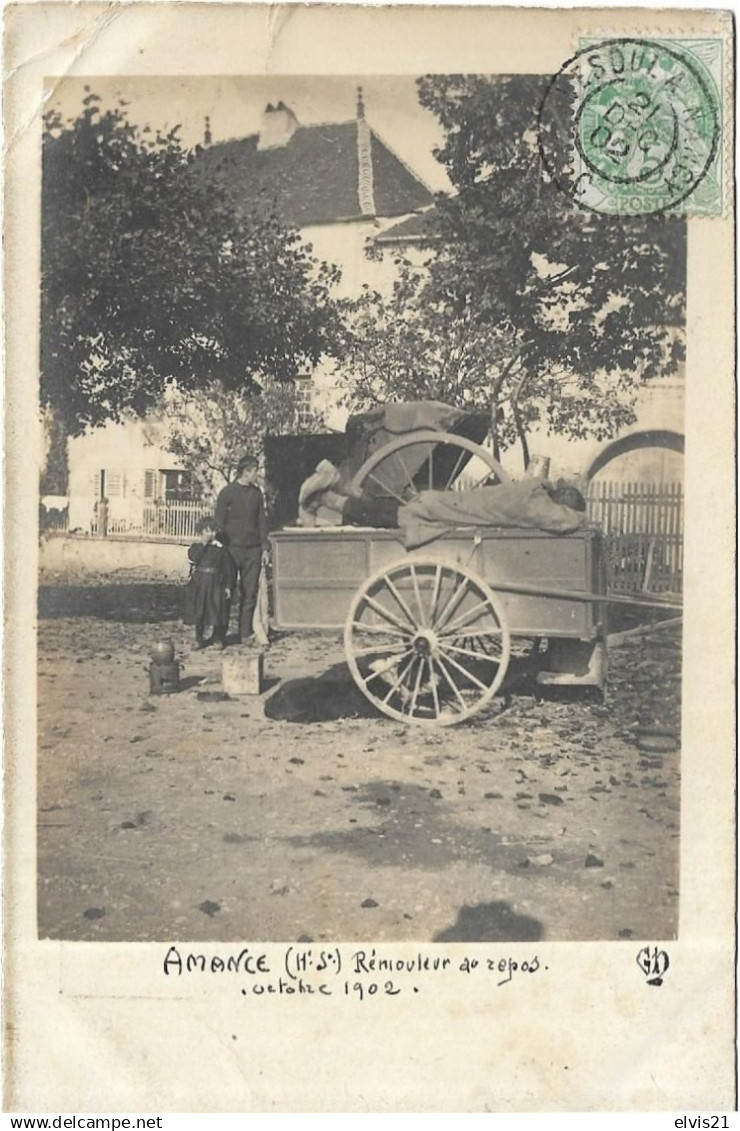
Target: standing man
(240, 514)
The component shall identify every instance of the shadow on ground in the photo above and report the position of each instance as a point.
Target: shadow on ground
(404, 825)
(325, 698)
(491, 922)
(126, 603)
(334, 695)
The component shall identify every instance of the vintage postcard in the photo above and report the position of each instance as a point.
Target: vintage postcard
(369, 561)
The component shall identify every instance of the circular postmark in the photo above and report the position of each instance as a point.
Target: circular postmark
(630, 126)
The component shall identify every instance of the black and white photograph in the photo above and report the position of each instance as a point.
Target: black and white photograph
(362, 407)
(422, 413)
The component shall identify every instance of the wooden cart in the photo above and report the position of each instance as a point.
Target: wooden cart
(429, 633)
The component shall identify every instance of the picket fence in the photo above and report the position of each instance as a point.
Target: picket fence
(643, 528)
(176, 519)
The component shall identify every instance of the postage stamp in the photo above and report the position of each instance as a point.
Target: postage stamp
(633, 127)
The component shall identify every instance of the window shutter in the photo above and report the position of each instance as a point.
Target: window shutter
(114, 484)
(150, 484)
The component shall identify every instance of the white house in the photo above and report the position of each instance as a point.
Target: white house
(117, 462)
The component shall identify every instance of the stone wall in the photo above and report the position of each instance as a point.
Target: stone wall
(80, 556)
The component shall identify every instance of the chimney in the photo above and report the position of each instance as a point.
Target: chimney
(365, 186)
(207, 136)
(279, 123)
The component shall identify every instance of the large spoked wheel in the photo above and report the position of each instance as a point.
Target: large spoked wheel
(424, 460)
(427, 642)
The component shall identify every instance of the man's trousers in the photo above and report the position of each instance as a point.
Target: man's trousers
(248, 561)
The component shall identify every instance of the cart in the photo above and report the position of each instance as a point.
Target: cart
(429, 633)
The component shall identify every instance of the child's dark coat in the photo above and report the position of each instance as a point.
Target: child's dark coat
(205, 595)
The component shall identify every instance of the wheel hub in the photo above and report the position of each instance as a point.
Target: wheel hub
(425, 642)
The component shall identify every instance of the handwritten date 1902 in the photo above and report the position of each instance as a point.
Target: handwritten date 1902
(362, 990)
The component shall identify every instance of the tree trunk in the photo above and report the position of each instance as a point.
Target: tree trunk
(496, 388)
(522, 436)
(496, 447)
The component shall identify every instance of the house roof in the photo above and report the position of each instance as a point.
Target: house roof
(419, 228)
(314, 178)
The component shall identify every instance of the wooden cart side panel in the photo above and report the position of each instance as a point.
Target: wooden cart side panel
(557, 563)
(316, 574)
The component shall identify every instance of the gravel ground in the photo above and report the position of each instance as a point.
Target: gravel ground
(179, 818)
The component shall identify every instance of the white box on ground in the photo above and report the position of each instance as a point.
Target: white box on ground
(242, 673)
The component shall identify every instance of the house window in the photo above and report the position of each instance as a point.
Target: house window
(303, 393)
(177, 485)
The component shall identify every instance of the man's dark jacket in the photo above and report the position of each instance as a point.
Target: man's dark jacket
(240, 514)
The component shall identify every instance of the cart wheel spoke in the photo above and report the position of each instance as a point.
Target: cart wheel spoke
(379, 673)
(454, 629)
(455, 470)
(378, 630)
(468, 674)
(413, 621)
(394, 688)
(417, 593)
(388, 615)
(439, 661)
(387, 490)
(385, 649)
(458, 595)
(417, 686)
(494, 632)
(409, 477)
(435, 693)
(484, 656)
(435, 592)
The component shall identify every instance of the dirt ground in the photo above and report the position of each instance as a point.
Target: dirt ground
(184, 818)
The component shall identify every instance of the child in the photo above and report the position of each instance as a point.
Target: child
(212, 578)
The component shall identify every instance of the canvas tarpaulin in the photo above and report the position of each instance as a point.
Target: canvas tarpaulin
(526, 503)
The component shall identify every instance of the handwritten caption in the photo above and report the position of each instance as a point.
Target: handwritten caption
(343, 971)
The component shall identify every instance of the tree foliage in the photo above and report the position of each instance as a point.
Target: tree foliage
(209, 430)
(149, 276)
(549, 315)
(54, 477)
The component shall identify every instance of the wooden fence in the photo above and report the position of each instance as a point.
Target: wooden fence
(174, 519)
(643, 525)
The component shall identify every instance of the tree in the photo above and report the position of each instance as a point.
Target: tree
(209, 430)
(149, 276)
(54, 477)
(549, 315)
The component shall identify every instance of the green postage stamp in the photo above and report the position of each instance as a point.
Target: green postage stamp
(634, 126)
